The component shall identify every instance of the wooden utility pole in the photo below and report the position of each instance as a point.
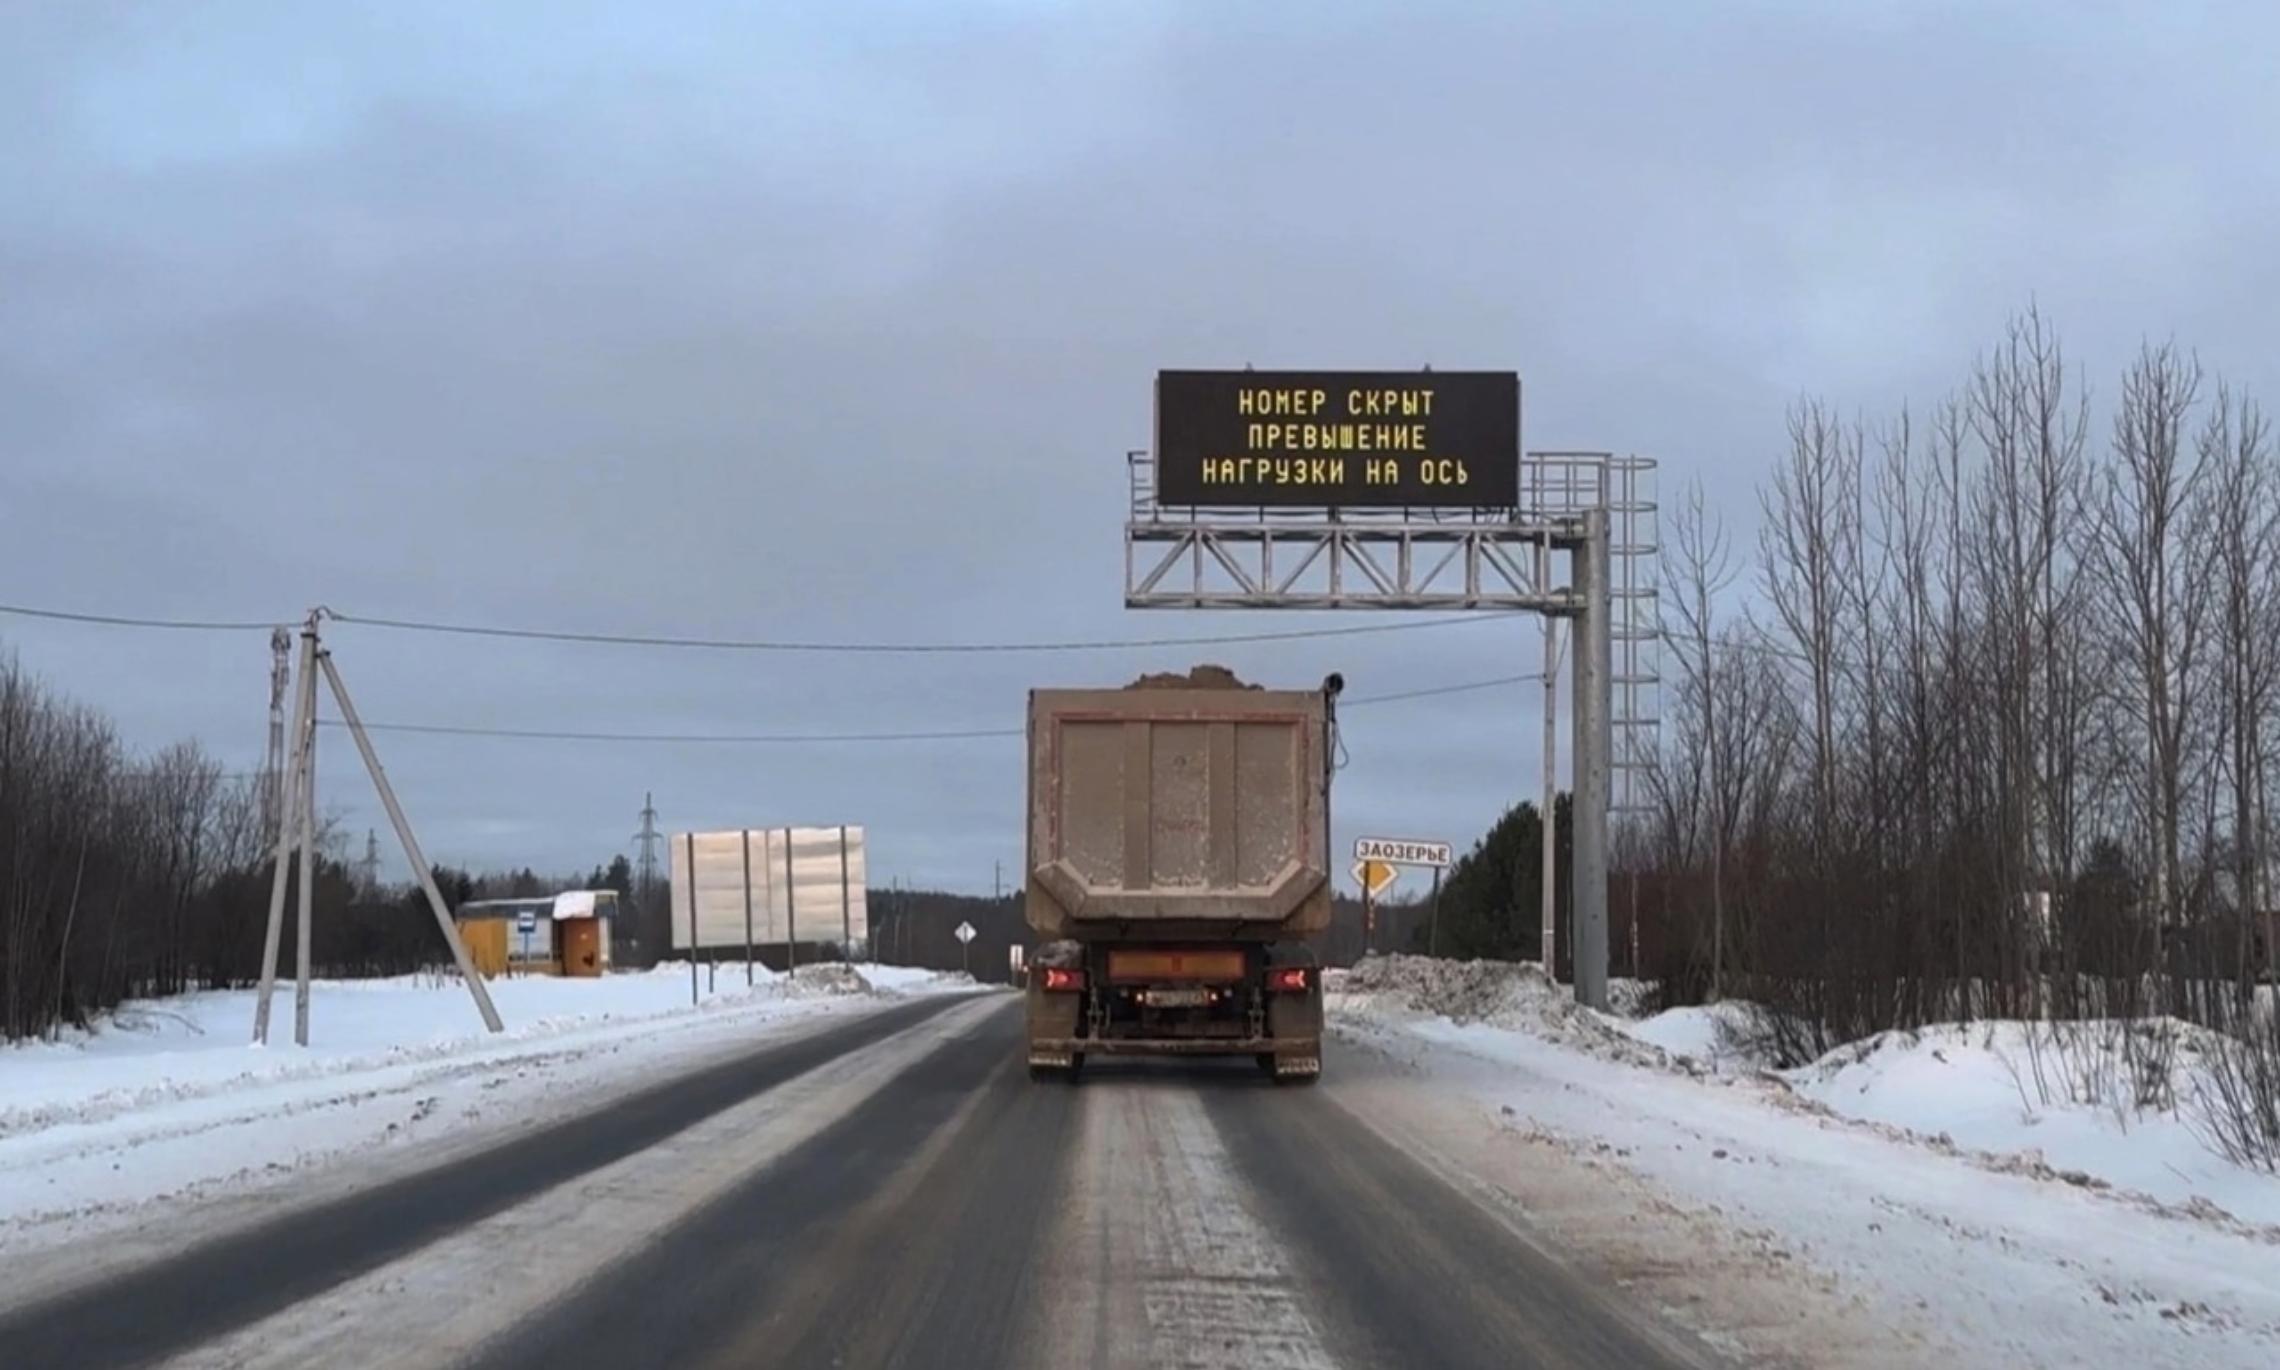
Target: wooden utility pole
(298, 827)
(289, 814)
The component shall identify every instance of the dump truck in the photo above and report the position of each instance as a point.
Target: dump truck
(1178, 871)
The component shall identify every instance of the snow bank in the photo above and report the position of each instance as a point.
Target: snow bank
(168, 1099)
(2007, 1088)
(148, 1052)
(1494, 993)
(1727, 1037)
(1922, 1254)
(887, 979)
(2019, 1101)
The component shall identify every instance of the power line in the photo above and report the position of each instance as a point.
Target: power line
(1430, 692)
(551, 735)
(761, 644)
(793, 739)
(126, 621)
(905, 648)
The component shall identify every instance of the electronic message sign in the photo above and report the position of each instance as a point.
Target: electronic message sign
(1338, 439)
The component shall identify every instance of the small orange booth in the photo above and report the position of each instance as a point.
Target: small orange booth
(564, 934)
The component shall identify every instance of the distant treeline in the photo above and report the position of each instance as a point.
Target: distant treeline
(2001, 735)
(126, 877)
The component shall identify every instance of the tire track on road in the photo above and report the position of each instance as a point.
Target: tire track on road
(1409, 1270)
(1159, 1258)
(955, 1248)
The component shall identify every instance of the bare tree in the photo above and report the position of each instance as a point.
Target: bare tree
(1702, 570)
(2031, 426)
(2242, 537)
(1807, 546)
(2156, 609)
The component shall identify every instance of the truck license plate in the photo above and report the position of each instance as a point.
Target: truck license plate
(1177, 998)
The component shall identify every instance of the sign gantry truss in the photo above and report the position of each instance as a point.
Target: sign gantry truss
(1343, 565)
(1593, 511)
(1498, 560)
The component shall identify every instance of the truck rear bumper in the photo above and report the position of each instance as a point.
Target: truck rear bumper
(1293, 1055)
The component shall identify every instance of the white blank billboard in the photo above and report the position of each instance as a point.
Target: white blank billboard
(797, 884)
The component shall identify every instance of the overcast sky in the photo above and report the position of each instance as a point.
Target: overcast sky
(836, 324)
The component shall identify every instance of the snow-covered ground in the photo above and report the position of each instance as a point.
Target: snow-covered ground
(1999, 1089)
(1716, 1035)
(170, 1100)
(1905, 1192)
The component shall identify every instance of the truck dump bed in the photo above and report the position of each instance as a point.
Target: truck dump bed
(1179, 808)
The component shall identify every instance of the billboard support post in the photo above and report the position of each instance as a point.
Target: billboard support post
(747, 836)
(691, 882)
(846, 904)
(791, 914)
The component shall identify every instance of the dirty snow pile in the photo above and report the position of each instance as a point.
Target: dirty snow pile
(169, 1097)
(1501, 994)
(1627, 998)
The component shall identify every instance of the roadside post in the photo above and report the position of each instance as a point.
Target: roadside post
(1375, 878)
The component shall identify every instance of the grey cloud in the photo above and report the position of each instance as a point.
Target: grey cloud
(839, 327)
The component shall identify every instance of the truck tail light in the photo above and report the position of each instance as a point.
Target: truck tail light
(1287, 980)
(1061, 980)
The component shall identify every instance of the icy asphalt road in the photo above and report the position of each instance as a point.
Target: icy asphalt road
(891, 1191)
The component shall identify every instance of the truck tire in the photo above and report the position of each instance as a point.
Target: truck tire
(1266, 1061)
